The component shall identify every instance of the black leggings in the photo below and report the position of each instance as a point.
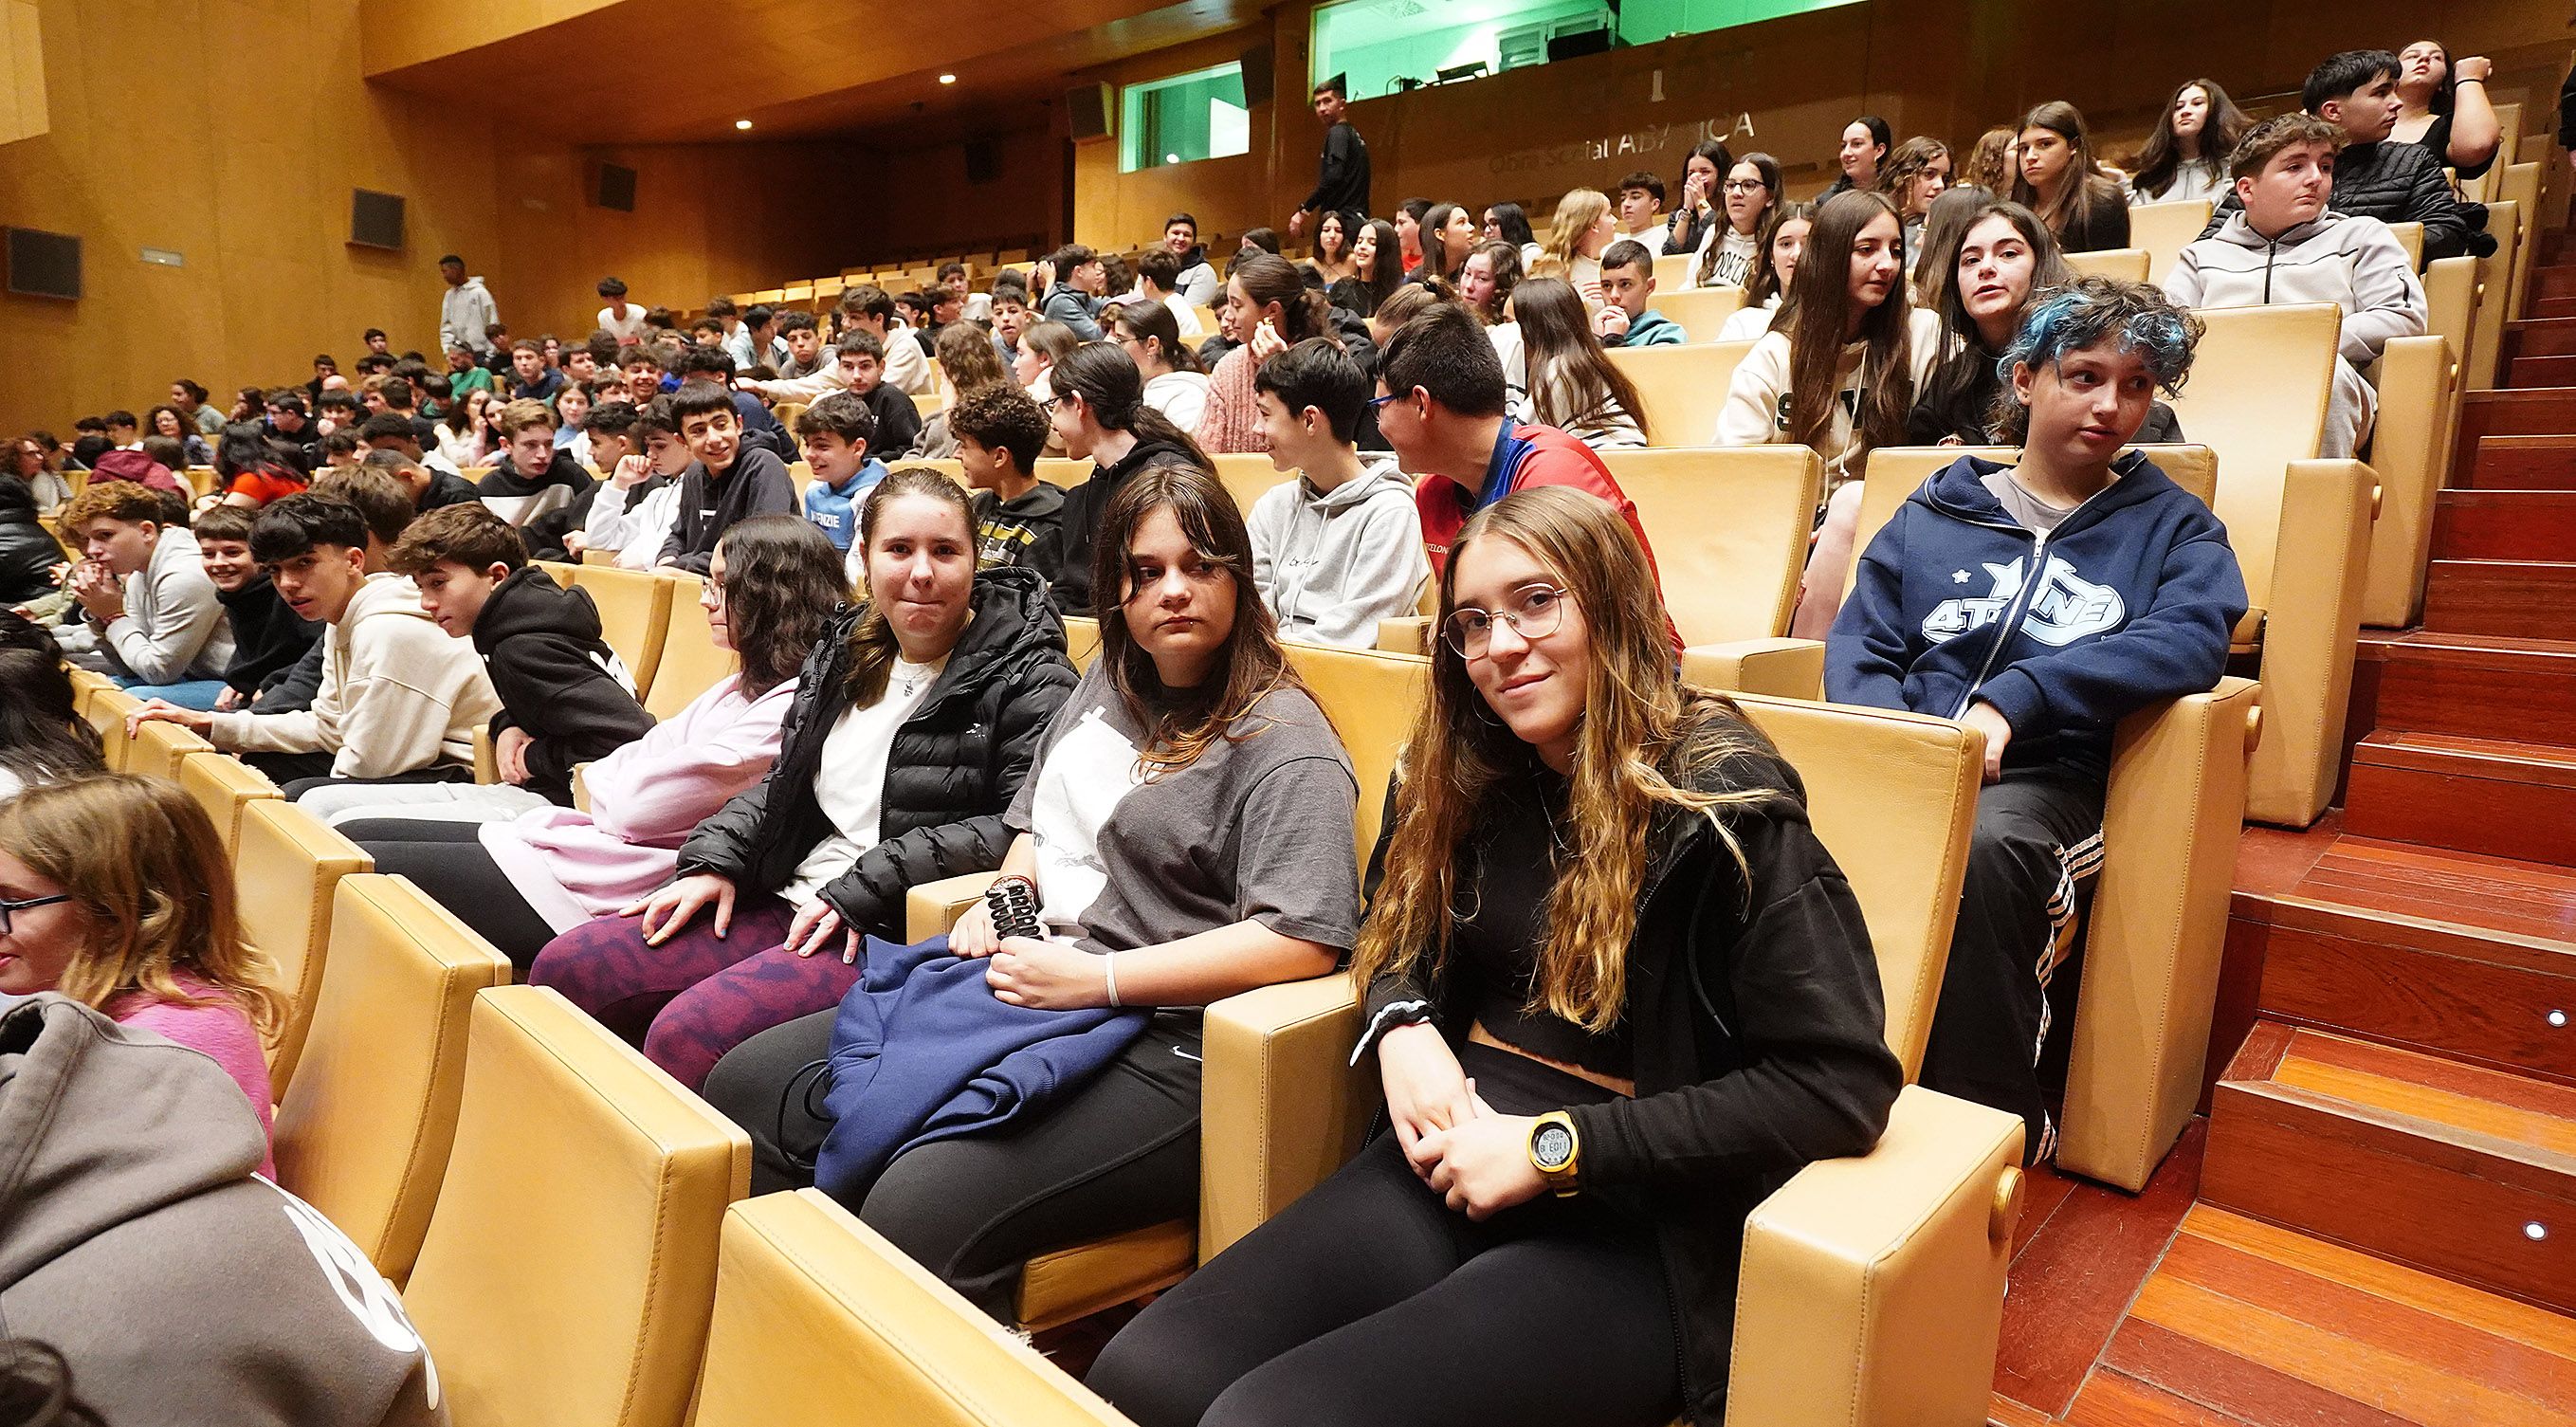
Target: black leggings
(1370, 1301)
(447, 860)
(296, 774)
(1120, 1153)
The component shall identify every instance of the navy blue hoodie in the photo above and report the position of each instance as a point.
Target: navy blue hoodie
(2139, 594)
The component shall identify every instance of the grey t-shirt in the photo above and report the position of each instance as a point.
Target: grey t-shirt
(2029, 510)
(1260, 827)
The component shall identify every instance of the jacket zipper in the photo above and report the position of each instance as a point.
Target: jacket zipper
(2011, 616)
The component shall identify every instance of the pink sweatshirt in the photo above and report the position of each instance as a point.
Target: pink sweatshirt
(220, 1029)
(645, 799)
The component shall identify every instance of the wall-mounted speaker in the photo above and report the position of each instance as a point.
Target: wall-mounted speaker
(375, 219)
(44, 264)
(1094, 109)
(617, 187)
(983, 160)
(1257, 62)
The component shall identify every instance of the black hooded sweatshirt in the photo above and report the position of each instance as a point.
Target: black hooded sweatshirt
(556, 678)
(1083, 507)
(27, 554)
(269, 639)
(519, 498)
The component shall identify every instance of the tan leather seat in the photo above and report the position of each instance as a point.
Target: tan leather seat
(2486, 326)
(562, 571)
(690, 663)
(158, 748)
(2410, 236)
(2410, 453)
(1682, 388)
(569, 1269)
(1700, 311)
(1247, 478)
(634, 616)
(1729, 525)
(928, 404)
(2164, 230)
(286, 870)
(1081, 640)
(1062, 471)
(107, 710)
(2519, 185)
(364, 1133)
(224, 787)
(2125, 264)
(2451, 292)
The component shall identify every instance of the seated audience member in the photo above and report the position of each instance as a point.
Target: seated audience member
(169, 423)
(1011, 318)
(1914, 175)
(530, 378)
(1583, 228)
(1128, 835)
(1331, 260)
(967, 365)
(1198, 283)
(465, 374)
(123, 432)
(269, 640)
(1373, 277)
(2444, 109)
(399, 435)
(461, 431)
(1098, 413)
(1486, 282)
(1156, 273)
(572, 408)
(252, 470)
(1019, 519)
(772, 587)
(1627, 285)
(742, 339)
(43, 738)
(532, 476)
(2002, 259)
(399, 701)
(35, 463)
(1865, 144)
(150, 619)
(710, 365)
(836, 432)
(2284, 245)
(339, 449)
(1640, 207)
(1572, 1136)
(620, 319)
(1174, 385)
(189, 397)
(1732, 250)
(804, 342)
(1572, 384)
(1766, 288)
(566, 698)
(1929, 276)
(339, 410)
(2374, 178)
(972, 306)
(861, 368)
(646, 374)
(610, 427)
(28, 555)
(2186, 156)
(726, 480)
(2147, 591)
(1837, 372)
(1071, 280)
(1697, 208)
(706, 332)
(582, 367)
(632, 511)
(2061, 182)
(919, 716)
(1272, 309)
(121, 899)
(866, 310)
(1448, 233)
(1258, 240)
(1338, 547)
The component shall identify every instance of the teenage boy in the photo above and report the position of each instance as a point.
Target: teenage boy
(620, 319)
(124, 433)
(465, 375)
(465, 309)
(725, 481)
(2041, 604)
(1627, 285)
(581, 366)
(1342, 177)
(565, 697)
(711, 365)
(866, 309)
(633, 509)
(1158, 276)
(530, 378)
(533, 475)
(973, 306)
(429, 488)
(1198, 283)
(2284, 244)
(389, 431)
(1340, 547)
(1010, 320)
(324, 369)
(645, 377)
(2356, 91)
(399, 702)
(611, 429)
(150, 618)
(1019, 519)
(836, 430)
(339, 449)
(1070, 282)
(858, 368)
(269, 640)
(803, 341)
(377, 346)
(1641, 206)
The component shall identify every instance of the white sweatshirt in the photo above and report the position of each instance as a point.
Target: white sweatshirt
(635, 529)
(1757, 406)
(2354, 263)
(397, 694)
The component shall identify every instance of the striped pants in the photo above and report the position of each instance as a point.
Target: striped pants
(2038, 843)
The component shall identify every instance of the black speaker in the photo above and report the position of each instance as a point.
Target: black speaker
(1091, 107)
(983, 160)
(617, 187)
(1582, 42)
(1257, 62)
(44, 264)
(375, 219)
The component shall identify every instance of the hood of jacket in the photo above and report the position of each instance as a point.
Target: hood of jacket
(1378, 478)
(528, 601)
(2238, 231)
(384, 596)
(507, 479)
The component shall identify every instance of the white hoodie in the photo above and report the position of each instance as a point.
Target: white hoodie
(1331, 564)
(1181, 397)
(397, 694)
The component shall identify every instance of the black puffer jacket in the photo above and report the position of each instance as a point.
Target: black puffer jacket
(27, 554)
(955, 765)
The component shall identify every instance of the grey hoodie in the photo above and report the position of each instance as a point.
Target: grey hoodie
(463, 312)
(2354, 263)
(173, 628)
(1332, 564)
(136, 1238)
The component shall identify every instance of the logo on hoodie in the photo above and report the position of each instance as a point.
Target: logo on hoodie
(2066, 608)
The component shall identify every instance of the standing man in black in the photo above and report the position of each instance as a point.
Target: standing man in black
(1343, 185)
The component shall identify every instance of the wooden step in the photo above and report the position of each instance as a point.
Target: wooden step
(2553, 282)
(2452, 683)
(2549, 307)
(2505, 525)
(2543, 371)
(2521, 599)
(2540, 337)
(2538, 411)
(2489, 796)
(2454, 1169)
(2518, 463)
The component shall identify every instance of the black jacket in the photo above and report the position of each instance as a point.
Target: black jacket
(27, 554)
(444, 490)
(558, 681)
(293, 689)
(1342, 179)
(519, 498)
(953, 769)
(1757, 1037)
(269, 639)
(1083, 506)
(758, 484)
(2394, 183)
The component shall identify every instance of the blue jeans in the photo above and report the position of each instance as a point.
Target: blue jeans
(199, 694)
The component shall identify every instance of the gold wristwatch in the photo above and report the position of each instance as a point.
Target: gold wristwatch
(1556, 1152)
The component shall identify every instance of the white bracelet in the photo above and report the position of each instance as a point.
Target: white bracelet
(1109, 968)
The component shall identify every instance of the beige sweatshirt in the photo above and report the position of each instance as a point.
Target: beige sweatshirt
(397, 694)
(1757, 408)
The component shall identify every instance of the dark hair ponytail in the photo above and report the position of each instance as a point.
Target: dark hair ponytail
(1151, 319)
(872, 643)
(1304, 312)
(1114, 390)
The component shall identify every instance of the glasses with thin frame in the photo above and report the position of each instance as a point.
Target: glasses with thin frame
(1534, 612)
(23, 904)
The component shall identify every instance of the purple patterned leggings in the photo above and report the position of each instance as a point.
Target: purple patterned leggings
(694, 997)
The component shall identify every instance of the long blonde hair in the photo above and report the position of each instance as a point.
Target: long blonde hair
(1576, 212)
(142, 859)
(1643, 738)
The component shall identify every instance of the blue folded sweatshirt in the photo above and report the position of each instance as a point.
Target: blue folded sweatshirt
(921, 1051)
(2128, 603)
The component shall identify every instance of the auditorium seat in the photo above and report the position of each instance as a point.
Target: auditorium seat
(2487, 325)
(224, 787)
(1701, 311)
(107, 709)
(2122, 264)
(1672, 273)
(785, 413)
(2452, 290)
(568, 1271)
(287, 867)
(2410, 236)
(562, 571)
(2519, 185)
(157, 749)
(2164, 230)
(1062, 471)
(1682, 388)
(363, 1134)
(634, 616)
(1729, 527)
(690, 663)
(1247, 477)
(1081, 640)
(2410, 453)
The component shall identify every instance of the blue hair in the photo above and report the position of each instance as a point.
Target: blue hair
(2134, 317)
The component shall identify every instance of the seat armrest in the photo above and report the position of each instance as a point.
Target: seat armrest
(1872, 1291)
(2312, 618)
(931, 908)
(1282, 1107)
(1782, 668)
(1404, 634)
(581, 786)
(2418, 382)
(487, 765)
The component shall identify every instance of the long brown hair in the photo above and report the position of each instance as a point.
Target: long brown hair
(1505, 260)
(1763, 283)
(967, 360)
(142, 859)
(782, 584)
(1572, 383)
(1180, 724)
(2086, 186)
(1990, 164)
(1303, 312)
(2160, 157)
(873, 649)
(1817, 333)
(1644, 736)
